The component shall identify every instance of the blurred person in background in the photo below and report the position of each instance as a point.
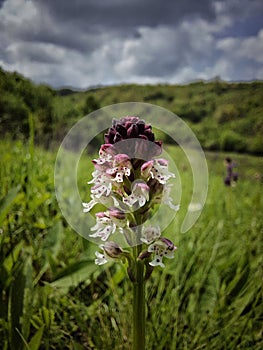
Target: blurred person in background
(231, 177)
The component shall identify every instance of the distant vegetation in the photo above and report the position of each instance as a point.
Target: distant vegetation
(224, 116)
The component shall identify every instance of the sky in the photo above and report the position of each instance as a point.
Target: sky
(83, 43)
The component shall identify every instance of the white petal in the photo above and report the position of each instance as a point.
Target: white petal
(100, 259)
(88, 206)
(130, 200)
(157, 261)
(142, 200)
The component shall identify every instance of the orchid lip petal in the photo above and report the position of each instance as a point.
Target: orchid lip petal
(100, 258)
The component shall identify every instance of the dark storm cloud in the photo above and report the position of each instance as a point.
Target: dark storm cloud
(42, 28)
(125, 14)
(85, 24)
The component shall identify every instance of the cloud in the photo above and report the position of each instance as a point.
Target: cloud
(125, 14)
(162, 50)
(84, 43)
(243, 48)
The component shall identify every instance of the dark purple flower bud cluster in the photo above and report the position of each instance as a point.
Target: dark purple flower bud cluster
(129, 127)
(132, 127)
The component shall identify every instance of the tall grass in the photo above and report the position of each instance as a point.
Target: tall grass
(54, 297)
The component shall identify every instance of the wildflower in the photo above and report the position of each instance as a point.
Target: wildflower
(163, 247)
(111, 251)
(157, 169)
(107, 222)
(121, 167)
(150, 234)
(107, 151)
(101, 259)
(102, 186)
(164, 197)
(128, 176)
(117, 216)
(139, 195)
(107, 201)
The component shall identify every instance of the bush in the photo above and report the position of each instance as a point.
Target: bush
(226, 113)
(255, 146)
(13, 115)
(91, 105)
(231, 141)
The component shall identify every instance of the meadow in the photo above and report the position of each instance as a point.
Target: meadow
(53, 296)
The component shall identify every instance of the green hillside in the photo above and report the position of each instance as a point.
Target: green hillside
(224, 116)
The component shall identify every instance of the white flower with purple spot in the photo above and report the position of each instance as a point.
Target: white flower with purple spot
(121, 167)
(118, 172)
(107, 151)
(102, 188)
(139, 195)
(163, 247)
(157, 169)
(105, 160)
(107, 223)
(104, 226)
(101, 259)
(164, 197)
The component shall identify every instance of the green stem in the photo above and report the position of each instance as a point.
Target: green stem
(138, 303)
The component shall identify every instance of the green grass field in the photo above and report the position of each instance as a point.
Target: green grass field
(53, 296)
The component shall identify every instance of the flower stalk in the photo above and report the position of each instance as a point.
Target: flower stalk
(138, 304)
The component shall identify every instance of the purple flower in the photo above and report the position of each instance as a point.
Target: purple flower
(132, 127)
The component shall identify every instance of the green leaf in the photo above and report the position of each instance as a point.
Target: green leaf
(28, 297)
(75, 273)
(76, 346)
(12, 257)
(50, 248)
(20, 304)
(7, 201)
(52, 241)
(36, 321)
(35, 341)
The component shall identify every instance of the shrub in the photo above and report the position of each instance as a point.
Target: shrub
(226, 113)
(231, 141)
